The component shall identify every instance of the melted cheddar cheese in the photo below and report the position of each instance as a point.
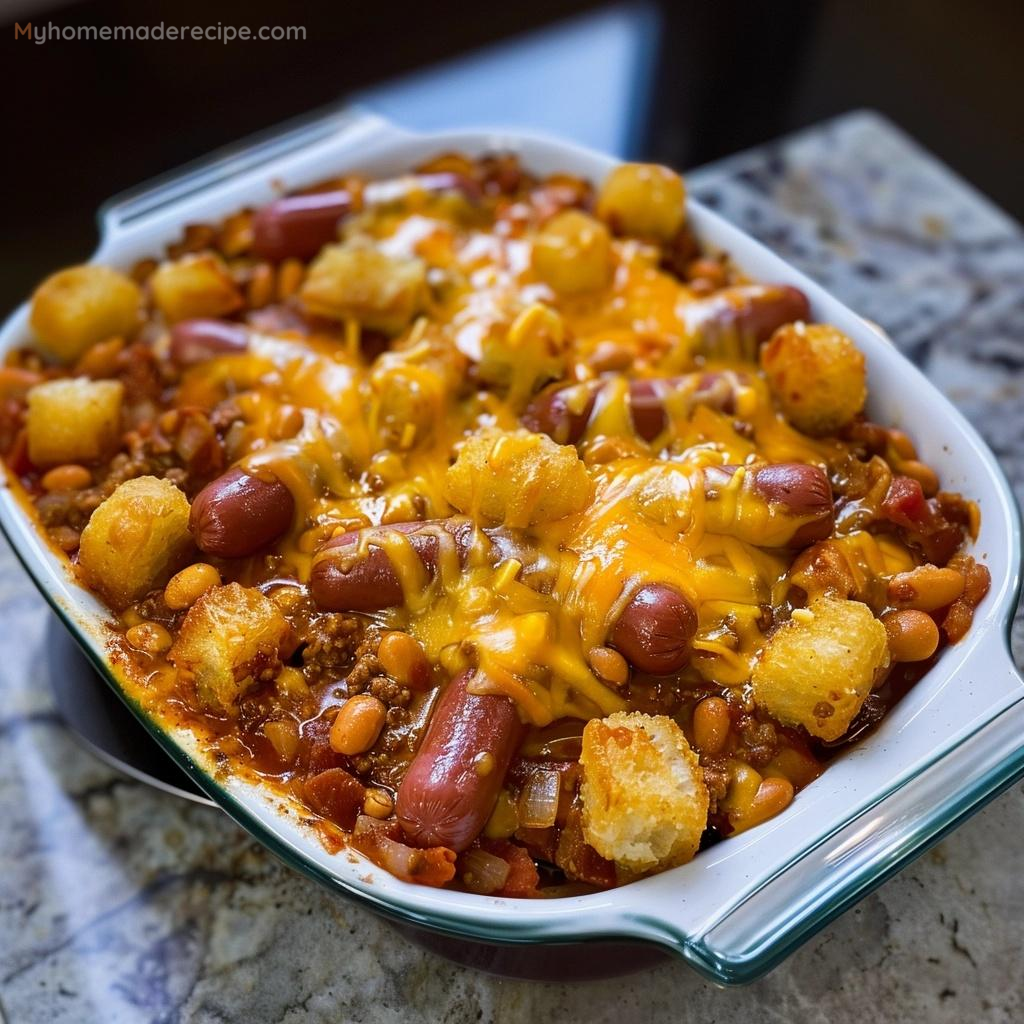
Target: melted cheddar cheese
(376, 440)
(363, 459)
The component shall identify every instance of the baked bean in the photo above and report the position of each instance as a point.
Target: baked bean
(609, 665)
(287, 422)
(402, 657)
(150, 638)
(15, 382)
(773, 796)
(100, 360)
(289, 278)
(453, 782)
(744, 783)
(710, 271)
(378, 803)
(912, 634)
(260, 290)
(610, 357)
(902, 445)
(186, 587)
(711, 724)
(71, 477)
(195, 341)
(358, 724)
(925, 588)
(238, 514)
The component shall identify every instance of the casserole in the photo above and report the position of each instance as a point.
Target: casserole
(696, 910)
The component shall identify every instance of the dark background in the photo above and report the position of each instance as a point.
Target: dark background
(84, 120)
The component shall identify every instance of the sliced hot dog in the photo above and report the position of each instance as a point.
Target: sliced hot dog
(195, 341)
(453, 781)
(734, 321)
(345, 578)
(798, 497)
(237, 514)
(564, 412)
(299, 226)
(655, 630)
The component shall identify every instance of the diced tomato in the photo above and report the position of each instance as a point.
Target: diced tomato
(541, 842)
(376, 840)
(904, 503)
(931, 525)
(316, 751)
(578, 859)
(523, 877)
(336, 795)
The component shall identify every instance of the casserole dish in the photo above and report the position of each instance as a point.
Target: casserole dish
(740, 906)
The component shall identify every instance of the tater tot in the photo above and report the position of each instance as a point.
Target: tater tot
(643, 199)
(518, 479)
(79, 306)
(817, 375)
(817, 669)
(573, 253)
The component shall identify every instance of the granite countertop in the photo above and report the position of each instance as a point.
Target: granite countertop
(119, 903)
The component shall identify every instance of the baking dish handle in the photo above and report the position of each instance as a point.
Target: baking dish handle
(771, 923)
(337, 127)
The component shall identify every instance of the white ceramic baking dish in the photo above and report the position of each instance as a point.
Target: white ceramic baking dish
(951, 744)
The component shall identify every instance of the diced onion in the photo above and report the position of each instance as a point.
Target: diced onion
(284, 738)
(538, 802)
(484, 873)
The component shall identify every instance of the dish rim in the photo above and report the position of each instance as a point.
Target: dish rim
(609, 916)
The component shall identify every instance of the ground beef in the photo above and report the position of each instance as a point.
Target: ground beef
(68, 508)
(759, 742)
(716, 778)
(332, 642)
(389, 692)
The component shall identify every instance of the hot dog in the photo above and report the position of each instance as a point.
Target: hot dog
(345, 579)
(783, 505)
(453, 781)
(658, 630)
(299, 226)
(734, 321)
(564, 412)
(195, 341)
(237, 514)
(655, 630)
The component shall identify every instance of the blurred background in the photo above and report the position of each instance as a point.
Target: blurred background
(682, 82)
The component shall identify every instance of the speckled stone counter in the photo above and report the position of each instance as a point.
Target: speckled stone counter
(122, 904)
